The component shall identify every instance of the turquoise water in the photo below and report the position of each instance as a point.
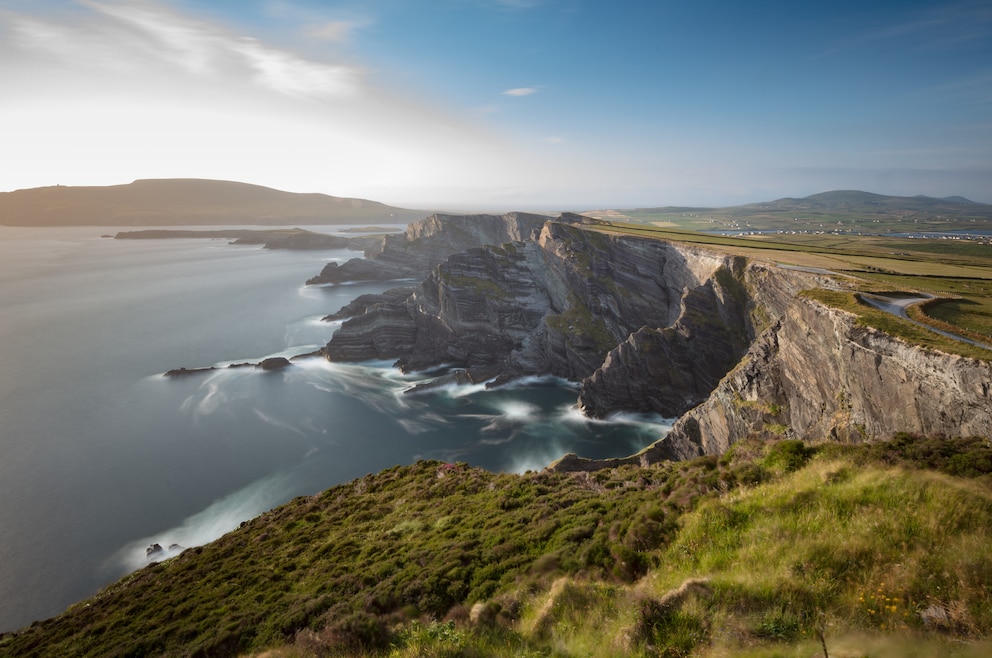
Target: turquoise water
(100, 455)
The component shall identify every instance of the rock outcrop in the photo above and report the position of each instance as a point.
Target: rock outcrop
(428, 243)
(297, 239)
(268, 364)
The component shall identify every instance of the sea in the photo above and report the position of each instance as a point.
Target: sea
(101, 455)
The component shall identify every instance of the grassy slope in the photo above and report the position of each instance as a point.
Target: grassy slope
(751, 553)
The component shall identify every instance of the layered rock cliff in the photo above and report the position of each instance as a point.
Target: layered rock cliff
(646, 325)
(428, 243)
(816, 374)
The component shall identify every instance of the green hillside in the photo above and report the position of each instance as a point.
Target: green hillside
(840, 211)
(775, 549)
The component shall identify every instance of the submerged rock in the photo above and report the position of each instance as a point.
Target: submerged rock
(274, 363)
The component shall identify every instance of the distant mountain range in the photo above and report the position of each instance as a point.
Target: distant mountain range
(184, 202)
(866, 202)
(847, 200)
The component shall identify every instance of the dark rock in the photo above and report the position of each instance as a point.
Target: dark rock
(363, 303)
(458, 377)
(183, 372)
(274, 363)
(669, 370)
(154, 550)
(306, 240)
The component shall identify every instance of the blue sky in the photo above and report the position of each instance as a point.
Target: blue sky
(503, 104)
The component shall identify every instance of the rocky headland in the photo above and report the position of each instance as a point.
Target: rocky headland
(726, 344)
(429, 242)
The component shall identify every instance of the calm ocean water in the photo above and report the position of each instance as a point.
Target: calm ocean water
(101, 456)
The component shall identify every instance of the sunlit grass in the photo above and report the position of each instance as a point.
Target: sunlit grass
(755, 553)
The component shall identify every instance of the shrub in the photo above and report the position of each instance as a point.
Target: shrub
(788, 455)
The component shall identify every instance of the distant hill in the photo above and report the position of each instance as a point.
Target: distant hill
(867, 202)
(184, 202)
(849, 211)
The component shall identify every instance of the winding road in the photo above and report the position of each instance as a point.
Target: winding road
(897, 306)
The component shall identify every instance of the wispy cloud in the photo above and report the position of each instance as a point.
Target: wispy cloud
(157, 41)
(521, 91)
(288, 74)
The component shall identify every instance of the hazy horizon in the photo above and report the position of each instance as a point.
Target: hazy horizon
(530, 104)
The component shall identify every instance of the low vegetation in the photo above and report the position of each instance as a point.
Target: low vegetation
(776, 548)
(896, 326)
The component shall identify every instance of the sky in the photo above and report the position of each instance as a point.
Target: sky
(503, 104)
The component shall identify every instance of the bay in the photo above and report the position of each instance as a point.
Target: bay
(100, 455)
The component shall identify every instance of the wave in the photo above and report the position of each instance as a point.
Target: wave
(221, 517)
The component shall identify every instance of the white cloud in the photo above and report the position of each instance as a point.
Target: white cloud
(521, 91)
(288, 74)
(205, 50)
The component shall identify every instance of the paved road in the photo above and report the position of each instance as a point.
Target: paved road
(898, 305)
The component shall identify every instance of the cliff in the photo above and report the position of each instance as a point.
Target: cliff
(645, 325)
(428, 243)
(816, 374)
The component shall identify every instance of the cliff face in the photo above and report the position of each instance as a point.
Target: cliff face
(650, 326)
(428, 243)
(644, 325)
(815, 375)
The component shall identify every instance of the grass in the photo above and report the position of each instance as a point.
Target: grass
(968, 304)
(749, 554)
(895, 326)
(578, 322)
